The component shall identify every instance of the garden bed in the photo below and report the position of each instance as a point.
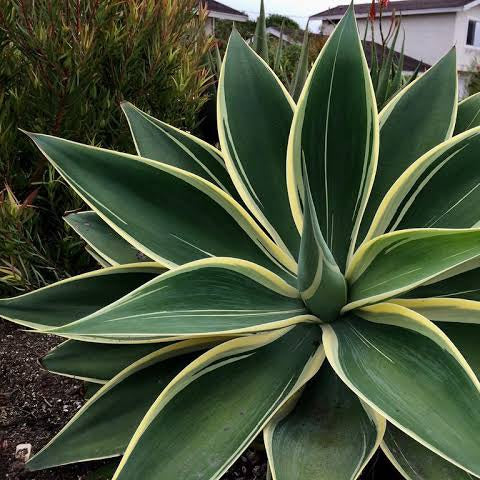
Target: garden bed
(34, 406)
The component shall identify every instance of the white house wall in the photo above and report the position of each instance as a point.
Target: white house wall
(427, 37)
(466, 55)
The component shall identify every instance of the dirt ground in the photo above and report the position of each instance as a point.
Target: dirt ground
(34, 406)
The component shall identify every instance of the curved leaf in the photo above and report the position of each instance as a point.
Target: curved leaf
(103, 427)
(94, 362)
(460, 282)
(301, 72)
(230, 297)
(107, 243)
(397, 262)
(169, 214)
(440, 190)
(76, 297)
(319, 277)
(237, 387)
(97, 257)
(157, 140)
(407, 369)
(327, 435)
(260, 39)
(415, 462)
(465, 337)
(337, 98)
(254, 114)
(423, 114)
(468, 114)
(444, 309)
(459, 319)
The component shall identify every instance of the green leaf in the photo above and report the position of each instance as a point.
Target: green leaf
(423, 114)
(396, 84)
(254, 114)
(103, 427)
(169, 214)
(301, 72)
(157, 140)
(237, 387)
(459, 319)
(407, 369)
(104, 472)
(319, 277)
(374, 70)
(97, 257)
(397, 262)
(444, 309)
(279, 49)
(465, 337)
(230, 297)
(76, 297)
(103, 240)
(335, 134)
(385, 71)
(90, 389)
(327, 434)
(439, 190)
(415, 462)
(459, 283)
(260, 39)
(94, 362)
(468, 114)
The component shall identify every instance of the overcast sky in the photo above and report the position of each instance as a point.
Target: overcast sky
(298, 10)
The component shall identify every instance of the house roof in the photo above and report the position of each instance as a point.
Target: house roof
(220, 10)
(410, 64)
(287, 36)
(406, 7)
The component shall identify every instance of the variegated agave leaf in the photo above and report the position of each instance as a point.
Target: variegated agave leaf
(317, 279)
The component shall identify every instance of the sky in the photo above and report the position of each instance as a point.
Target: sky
(298, 10)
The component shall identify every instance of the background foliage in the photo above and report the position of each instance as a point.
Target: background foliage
(290, 52)
(65, 65)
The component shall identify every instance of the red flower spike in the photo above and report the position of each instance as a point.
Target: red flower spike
(372, 11)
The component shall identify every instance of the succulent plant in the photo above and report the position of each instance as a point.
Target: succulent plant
(316, 279)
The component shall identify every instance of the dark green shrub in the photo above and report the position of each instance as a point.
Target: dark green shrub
(65, 65)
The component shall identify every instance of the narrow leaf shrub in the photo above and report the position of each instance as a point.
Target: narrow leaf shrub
(66, 65)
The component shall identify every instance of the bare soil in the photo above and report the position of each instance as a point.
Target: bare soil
(35, 405)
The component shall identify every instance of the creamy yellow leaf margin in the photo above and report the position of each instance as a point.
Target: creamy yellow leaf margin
(238, 213)
(365, 255)
(394, 197)
(416, 323)
(69, 375)
(456, 310)
(251, 270)
(237, 346)
(295, 155)
(229, 162)
(217, 154)
(101, 257)
(171, 351)
(388, 108)
(268, 432)
(102, 261)
(394, 461)
(141, 267)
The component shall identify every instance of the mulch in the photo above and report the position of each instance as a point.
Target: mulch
(35, 405)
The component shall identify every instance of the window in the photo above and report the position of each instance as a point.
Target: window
(473, 33)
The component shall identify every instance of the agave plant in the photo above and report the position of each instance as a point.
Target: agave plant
(316, 279)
